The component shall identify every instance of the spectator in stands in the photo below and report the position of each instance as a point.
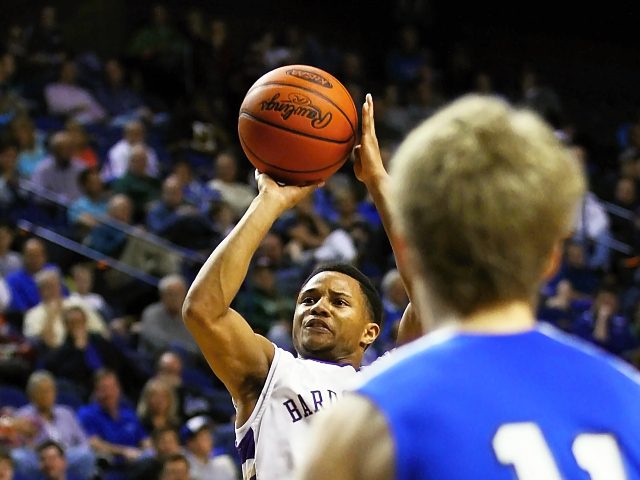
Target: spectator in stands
(197, 436)
(82, 278)
(173, 218)
(261, 303)
(562, 308)
(139, 186)
(84, 213)
(7, 467)
(106, 238)
(191, 400)
(165, 442)
(45, 45)
(16, 354)
(394, 302)
(65, 97)
(45, 322)
(11, 101)
(194, 191)
(175, 467)
(161, 324)
(113, 428)
(574, 268)
(53, 462)
(121, 102)
(158, 406)
(10, 261)
(84, 352)
(604, 325)
(11, 197)
(118, 155)
(24, 291)
(160, 50)
(59, 172)
(31, 145)
(52, 422)
(237, 194)
(405, 61)
(81, 147)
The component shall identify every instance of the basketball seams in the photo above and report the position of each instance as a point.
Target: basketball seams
(247, 114)
(328, 167)
(315, 92)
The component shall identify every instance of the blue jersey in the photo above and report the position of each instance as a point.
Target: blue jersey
(533, 405)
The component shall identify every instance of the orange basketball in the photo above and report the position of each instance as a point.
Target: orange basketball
(298, 124)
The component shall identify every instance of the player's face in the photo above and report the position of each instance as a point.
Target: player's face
(330, 318)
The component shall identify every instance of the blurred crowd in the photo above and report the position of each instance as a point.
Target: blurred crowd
(119, 175)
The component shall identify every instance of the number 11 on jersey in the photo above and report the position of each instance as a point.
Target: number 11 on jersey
(523, 446)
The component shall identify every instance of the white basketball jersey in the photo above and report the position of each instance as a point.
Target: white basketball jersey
(295, 391)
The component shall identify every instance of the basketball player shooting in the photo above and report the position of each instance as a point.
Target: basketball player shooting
(337, 316)
(484, 195)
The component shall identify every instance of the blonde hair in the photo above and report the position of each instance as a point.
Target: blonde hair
(142, 409)
(482, 193)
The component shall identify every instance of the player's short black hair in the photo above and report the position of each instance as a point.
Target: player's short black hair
(374, 302)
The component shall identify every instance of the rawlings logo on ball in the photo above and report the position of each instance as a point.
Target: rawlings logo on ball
(310, 76)
(299, 105)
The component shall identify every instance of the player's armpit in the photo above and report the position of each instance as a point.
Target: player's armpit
(350, 441)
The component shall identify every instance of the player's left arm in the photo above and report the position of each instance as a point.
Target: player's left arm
(350, 441)
(369, 169)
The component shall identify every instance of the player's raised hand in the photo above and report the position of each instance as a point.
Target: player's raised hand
(367, 161)
(282, 196)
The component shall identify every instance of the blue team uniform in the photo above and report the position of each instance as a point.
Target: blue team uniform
(533, 405)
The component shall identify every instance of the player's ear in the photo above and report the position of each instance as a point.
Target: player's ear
(370, 333)
(554, 260)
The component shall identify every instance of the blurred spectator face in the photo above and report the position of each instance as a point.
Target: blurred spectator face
(175, 470)
(77, 135)
(93, 185)
(172, 192)
(62, 148)
(606, 300)
(272, 248)
(48, 17)
(6, 238)
(564, 289)
(182, 171)
(167, 443)
(575, 255)
(52, 463)
(226, 168)
(396, 293)
(159, 399)
(75, 321)
(160, 15)
(6, 469)
(43, 395)
(352, 65)
(264, 279)
(24, 132)
(114, 73)
(201, 444)
(8, 65)
(483, 83)
(134, 132)
(138, 161)
(83, 279)
(68, 73)
(120, 208)
(173, 297)
(50, 288)
(409, 39)
(34, 255)
(107, 392)
(170, 368)
(8, 159)
(346, 202)
(218, 32)
(626, 191)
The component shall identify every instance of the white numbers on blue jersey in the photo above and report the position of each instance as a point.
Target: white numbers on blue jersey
(523, 446)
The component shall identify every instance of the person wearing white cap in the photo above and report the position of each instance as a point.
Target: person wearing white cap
(197, 437)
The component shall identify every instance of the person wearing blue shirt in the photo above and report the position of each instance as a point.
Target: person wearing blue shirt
(112, 426)
(483, 197)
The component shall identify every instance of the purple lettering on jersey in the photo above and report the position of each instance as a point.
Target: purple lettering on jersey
(317, 399)
(333, 396)
(247, 446)
(306, 410)
(293, 410)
